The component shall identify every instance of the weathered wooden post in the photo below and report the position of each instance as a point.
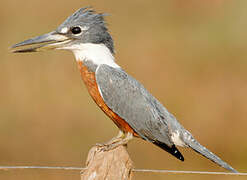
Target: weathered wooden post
(108, 165)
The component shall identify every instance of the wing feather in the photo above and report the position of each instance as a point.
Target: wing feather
(131, 101)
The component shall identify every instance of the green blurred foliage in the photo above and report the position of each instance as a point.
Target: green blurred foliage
(190, 54)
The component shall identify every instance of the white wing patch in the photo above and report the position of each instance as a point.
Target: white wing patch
(176, 139)
(100, 92)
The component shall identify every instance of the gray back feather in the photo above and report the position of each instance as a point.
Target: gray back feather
(132, 102)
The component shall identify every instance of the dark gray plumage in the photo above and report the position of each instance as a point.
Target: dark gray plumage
(144, 113)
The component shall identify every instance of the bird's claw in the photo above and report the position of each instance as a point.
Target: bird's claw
(105, 147)
(119, 140)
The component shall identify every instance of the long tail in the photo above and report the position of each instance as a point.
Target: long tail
(196, 146)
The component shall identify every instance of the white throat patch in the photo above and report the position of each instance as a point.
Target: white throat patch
(97, 53)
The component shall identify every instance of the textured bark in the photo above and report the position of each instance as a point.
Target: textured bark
(108, 165)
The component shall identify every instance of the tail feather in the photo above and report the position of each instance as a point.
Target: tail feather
(196, 146)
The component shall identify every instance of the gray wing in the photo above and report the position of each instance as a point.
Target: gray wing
(131, 101)
(145, 114)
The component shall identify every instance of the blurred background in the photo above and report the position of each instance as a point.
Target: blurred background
(191, 55)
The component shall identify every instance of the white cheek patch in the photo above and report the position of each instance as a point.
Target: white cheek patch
(84, 28)
(64, 30)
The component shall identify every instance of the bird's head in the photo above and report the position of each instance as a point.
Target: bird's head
(84, 27)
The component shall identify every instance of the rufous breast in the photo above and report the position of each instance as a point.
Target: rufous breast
(90, 81)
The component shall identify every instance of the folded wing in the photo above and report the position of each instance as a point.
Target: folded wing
(126, 97)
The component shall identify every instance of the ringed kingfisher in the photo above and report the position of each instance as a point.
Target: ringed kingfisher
(121, 97)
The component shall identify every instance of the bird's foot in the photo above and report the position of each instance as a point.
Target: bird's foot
(113, 140)
(120, 139)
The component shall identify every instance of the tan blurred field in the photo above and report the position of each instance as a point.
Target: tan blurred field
(192, 55)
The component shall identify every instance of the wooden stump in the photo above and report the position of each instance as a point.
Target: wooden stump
(108, 165)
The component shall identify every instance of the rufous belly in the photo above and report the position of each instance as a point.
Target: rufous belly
(90, 81)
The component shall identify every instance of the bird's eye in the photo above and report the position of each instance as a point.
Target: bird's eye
(76, 30)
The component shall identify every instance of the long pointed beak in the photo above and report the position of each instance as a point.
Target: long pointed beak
(52, 40)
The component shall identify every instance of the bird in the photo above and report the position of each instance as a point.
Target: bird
(135, 111)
